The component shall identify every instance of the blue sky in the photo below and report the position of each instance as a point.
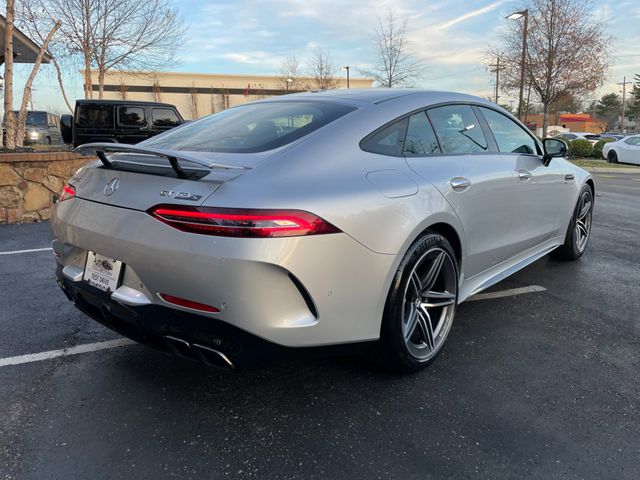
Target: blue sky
(254, 36)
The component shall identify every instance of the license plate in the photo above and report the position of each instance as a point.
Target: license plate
(102, 272)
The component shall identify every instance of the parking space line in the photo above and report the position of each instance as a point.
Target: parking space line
(122, 342)
(15, 252)
(67, 352)
(506, 293)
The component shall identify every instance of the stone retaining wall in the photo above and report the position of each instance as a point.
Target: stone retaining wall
(28, 182)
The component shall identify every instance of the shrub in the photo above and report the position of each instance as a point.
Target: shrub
(597, 148)
(580, 148)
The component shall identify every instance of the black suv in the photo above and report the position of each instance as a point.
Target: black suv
(120, 121)
(40, 128)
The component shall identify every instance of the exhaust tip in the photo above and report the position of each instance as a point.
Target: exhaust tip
(179, 347)
(207, 355)
(213, 358)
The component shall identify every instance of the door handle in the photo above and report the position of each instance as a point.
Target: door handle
(460, 184)
(524, 175)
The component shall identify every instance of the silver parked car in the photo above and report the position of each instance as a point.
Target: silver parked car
(624, 150)
(341, 219)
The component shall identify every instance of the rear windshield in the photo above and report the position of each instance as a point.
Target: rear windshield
(251, 128)
(98, 116)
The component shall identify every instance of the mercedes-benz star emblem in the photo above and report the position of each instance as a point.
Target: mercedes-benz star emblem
(111, 187)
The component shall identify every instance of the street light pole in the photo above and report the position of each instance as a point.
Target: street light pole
(523, 62)
(347, 69)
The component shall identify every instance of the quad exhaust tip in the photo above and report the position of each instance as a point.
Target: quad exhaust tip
(194, 351)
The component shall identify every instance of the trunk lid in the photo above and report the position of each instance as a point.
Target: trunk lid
(139, 181)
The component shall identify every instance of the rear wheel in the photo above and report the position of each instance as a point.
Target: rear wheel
(420, 306)
(612, 157)
(579, 230)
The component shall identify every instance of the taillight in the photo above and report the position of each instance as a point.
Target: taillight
(68, 191)
(232, 222)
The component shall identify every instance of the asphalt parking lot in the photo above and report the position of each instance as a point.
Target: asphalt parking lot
(543, 384)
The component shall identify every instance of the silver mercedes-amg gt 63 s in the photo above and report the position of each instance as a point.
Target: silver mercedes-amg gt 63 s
(339, 220)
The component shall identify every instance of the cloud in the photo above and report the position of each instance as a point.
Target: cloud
(472, 14)
(253, 58)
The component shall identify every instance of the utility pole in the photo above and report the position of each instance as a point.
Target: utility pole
(624, 101)
(497, 70)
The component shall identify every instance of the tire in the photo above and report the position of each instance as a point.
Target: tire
(415, 323)
(612, 157)
(575, 242)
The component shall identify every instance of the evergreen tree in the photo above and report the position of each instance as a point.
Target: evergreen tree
(608, 108)
(633, 108)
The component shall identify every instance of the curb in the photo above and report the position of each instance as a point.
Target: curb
(612, 170)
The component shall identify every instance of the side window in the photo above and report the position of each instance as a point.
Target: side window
(387, 141)
(458, 129)
(509, 136)
(131, 116)
(95, 116)
(421, 139)
(164, 117)
(633, 141)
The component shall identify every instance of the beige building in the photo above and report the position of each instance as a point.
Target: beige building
(199, 94)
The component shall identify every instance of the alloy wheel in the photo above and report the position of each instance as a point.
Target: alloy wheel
(429, 303)
(583, 220)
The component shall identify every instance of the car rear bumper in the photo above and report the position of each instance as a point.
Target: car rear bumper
(187, 335)
(293, 292)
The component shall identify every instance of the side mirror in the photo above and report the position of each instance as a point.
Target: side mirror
(66, 128)
(553, 148)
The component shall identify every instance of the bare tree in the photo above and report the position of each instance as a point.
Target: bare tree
(156, 90)
(26, 94)
(35, 23)
(135, 35)
(110, 35)
(8, 75)
(123, 88)
(289, 75)
(15, 128)
(560, 60)
(193, 101)
(322, 70)
(394, 66)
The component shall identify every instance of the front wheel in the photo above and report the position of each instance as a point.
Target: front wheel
(579, 230)
(420, 305)
(612, 157)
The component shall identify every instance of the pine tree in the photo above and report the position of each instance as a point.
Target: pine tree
(633, 110)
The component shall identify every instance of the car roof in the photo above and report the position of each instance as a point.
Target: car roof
(122, 102)
(378, 95)
(35, 111)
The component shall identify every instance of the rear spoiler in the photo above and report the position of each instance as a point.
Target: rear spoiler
(101, 150)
